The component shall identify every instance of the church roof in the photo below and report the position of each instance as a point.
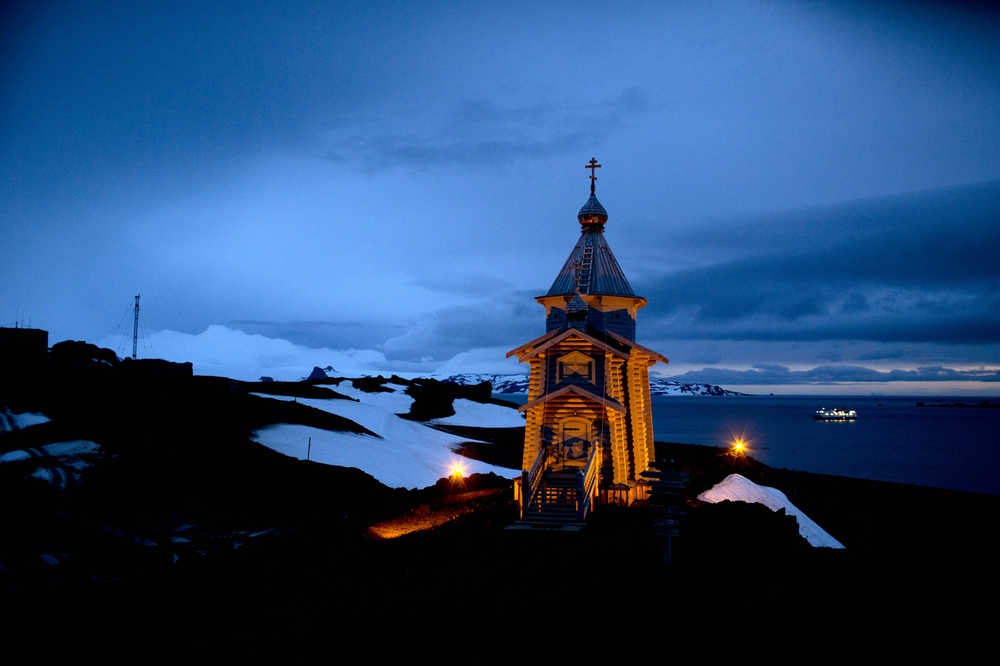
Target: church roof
(548, 340)
(610, 403)
(656, 356)
(596, 268)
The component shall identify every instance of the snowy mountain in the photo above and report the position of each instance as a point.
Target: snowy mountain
(657, 385)
(661, 386)
(501, 383)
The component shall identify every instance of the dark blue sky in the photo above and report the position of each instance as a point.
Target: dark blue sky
(791, 184)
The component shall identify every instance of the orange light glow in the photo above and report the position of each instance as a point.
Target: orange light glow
(457, 470)
(739, 446)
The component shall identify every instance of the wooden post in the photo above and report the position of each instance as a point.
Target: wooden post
(524, 485)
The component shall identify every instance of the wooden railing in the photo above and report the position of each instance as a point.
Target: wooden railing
(530, 481)
(588, 483)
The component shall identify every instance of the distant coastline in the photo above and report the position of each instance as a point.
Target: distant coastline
(658, 386)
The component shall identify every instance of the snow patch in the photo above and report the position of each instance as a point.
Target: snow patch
(738, 488)
(11, 421)
(72, 448)
(482, 415)
(50, 475)
(59, 463)
(405, 462)
(11, 456)
(409, 454)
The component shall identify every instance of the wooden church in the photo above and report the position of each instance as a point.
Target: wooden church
(589, 426)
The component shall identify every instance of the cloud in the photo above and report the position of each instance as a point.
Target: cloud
(487, 360)
(481, 132)
(508, 319)
(225, 352)
(921, 267)
(323, 334)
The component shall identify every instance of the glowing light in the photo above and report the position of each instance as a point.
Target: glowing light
(739, 446)
(457, 470)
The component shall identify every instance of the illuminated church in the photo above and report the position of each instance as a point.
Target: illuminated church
(589, 427)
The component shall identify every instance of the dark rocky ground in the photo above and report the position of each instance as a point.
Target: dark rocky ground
(188, 538)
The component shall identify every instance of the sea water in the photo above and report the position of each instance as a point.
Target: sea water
(893, 439)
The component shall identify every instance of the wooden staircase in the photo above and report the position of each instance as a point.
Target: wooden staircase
(555, 504)
(558, 499)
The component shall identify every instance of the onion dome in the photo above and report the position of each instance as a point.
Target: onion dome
(593, 215)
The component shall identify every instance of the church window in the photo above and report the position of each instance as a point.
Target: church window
(576, 364)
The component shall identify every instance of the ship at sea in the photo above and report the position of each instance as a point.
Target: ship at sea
(838, 414)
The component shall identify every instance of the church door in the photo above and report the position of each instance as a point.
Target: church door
(576, 442)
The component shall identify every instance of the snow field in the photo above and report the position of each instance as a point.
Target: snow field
(483, 415)
(11, 421)
(409, 455)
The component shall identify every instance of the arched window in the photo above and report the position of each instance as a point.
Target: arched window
(576, 364)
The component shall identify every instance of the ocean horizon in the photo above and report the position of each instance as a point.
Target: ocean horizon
(893, 439)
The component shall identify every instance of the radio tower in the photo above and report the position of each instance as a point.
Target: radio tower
(135, 328)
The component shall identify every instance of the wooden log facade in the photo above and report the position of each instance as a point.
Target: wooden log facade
(589, 380)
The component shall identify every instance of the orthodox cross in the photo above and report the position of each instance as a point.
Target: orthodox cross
(592, 166)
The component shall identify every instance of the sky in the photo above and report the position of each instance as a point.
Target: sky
(806, 193)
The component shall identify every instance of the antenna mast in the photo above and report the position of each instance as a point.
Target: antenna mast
(135, 328)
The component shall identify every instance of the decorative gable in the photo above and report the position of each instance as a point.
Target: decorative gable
(576, 364)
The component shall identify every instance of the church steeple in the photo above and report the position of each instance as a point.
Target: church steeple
(588, 415)
(593, 275)
(591, 267)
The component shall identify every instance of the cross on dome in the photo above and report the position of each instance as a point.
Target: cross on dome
(592, 165)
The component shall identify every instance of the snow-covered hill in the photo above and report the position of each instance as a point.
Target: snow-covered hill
(661, 386)
(406, 454)
(738, 488)
(657, 385)
(501, 383)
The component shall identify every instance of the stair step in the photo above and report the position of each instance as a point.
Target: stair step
(552, 514)
(528, 525)
(550, 519)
